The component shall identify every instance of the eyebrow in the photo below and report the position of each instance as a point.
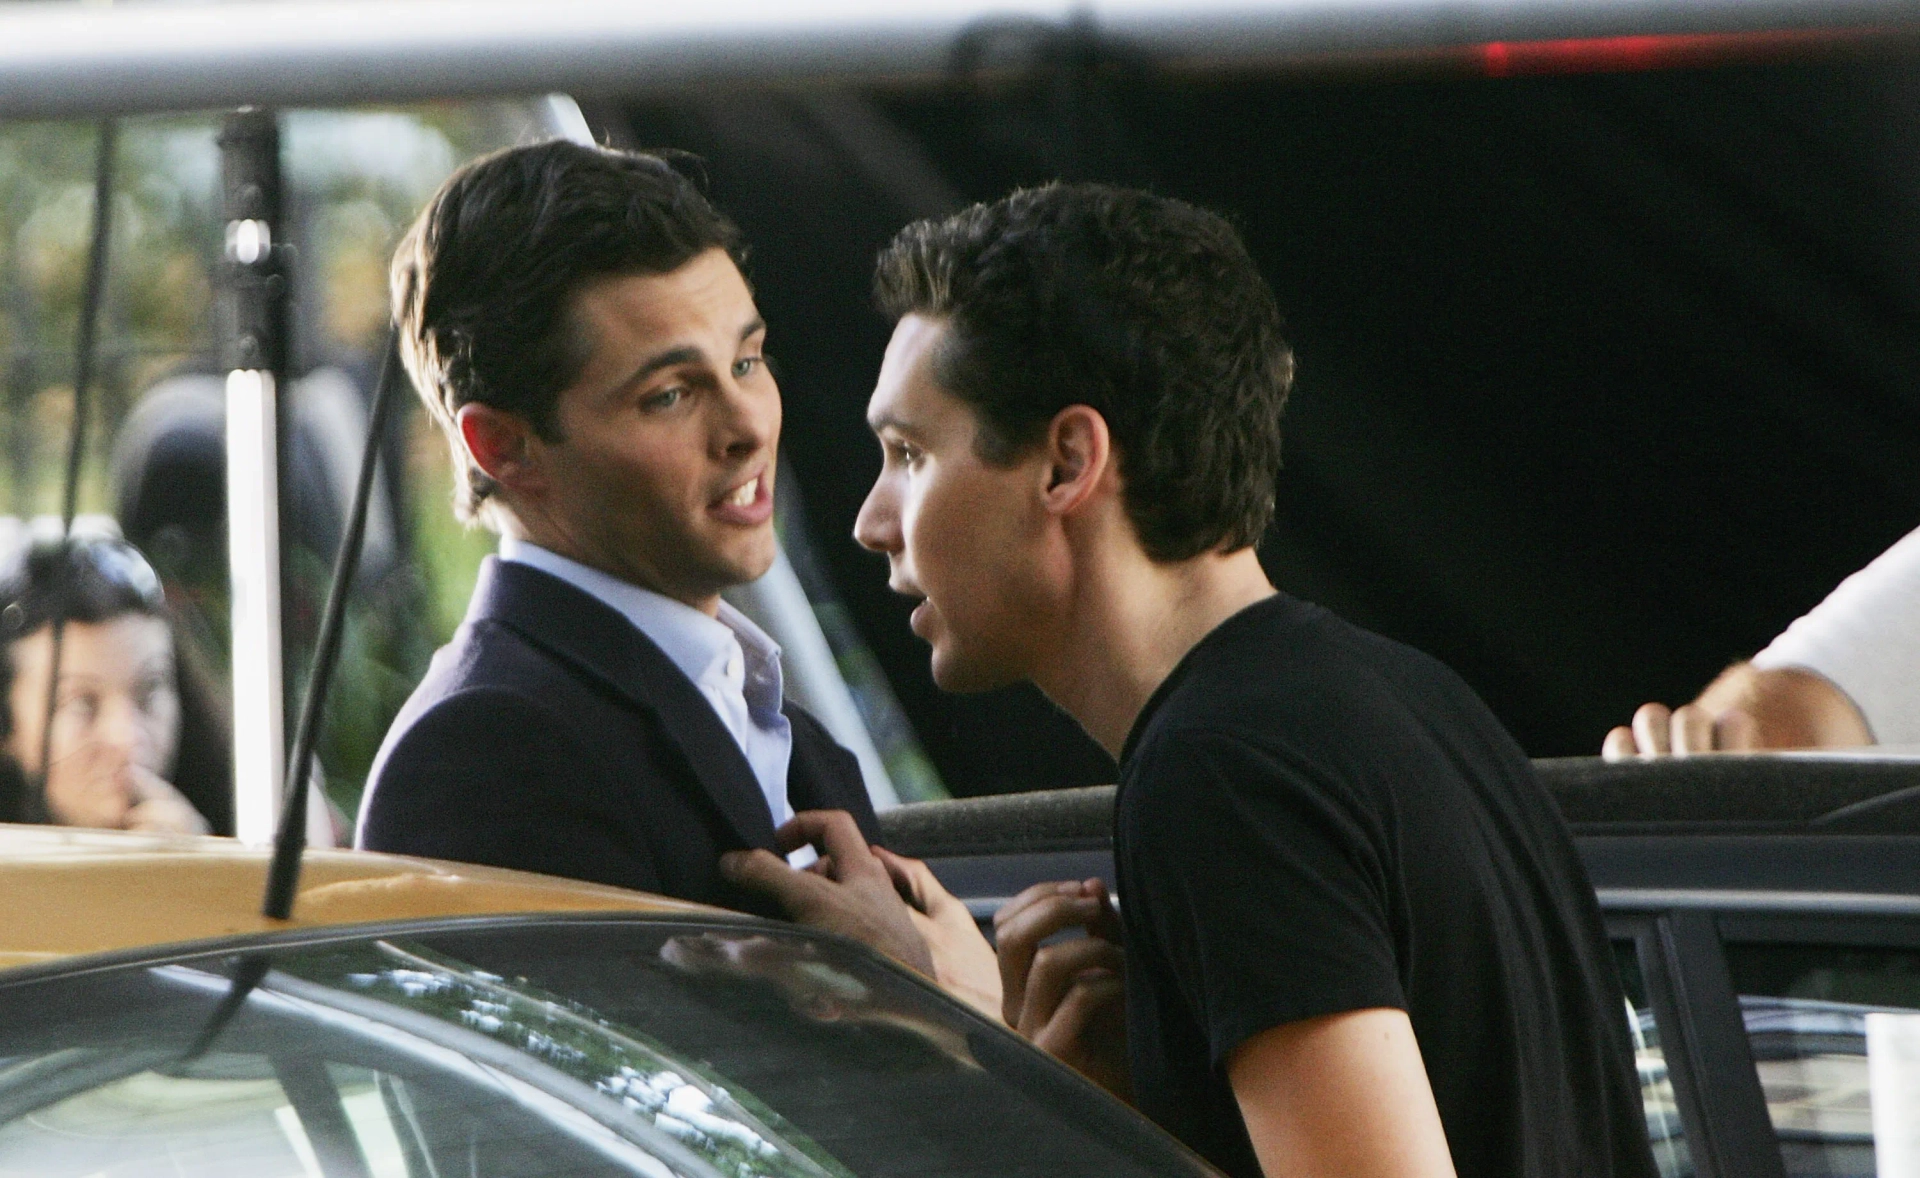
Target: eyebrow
(683, 355)
(886, 421)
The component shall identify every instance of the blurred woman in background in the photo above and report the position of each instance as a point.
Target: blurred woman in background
(139, 739)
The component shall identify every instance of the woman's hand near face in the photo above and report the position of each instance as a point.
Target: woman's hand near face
(98, 786)
(90, 786)
(157, 806)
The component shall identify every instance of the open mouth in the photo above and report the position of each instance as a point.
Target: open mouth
(750, 503)
(746, 494)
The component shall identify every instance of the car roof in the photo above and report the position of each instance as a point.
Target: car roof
(67, 891)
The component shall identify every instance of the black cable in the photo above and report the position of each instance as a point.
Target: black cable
(247, 976)
(283, 876)
(1860, 815)
(92, 298)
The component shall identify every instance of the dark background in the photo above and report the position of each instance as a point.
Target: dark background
(1604, 377)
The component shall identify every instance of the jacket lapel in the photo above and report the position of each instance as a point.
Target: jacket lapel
(595, 639)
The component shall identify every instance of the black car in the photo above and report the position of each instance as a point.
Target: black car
(1766, 919)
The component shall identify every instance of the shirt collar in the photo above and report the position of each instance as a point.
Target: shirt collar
(697, 644)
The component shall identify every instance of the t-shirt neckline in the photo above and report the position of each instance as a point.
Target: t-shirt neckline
(1277, 600)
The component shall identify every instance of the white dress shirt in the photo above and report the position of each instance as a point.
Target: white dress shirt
(729, 659)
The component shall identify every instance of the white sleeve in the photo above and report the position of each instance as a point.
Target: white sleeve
(1865, 640)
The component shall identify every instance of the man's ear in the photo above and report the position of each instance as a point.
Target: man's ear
(1079, 451)
(500, 443)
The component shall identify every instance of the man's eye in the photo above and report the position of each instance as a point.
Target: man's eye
(904, 453)
(745, 367)
(664, 399)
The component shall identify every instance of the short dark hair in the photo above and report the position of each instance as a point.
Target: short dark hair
(1145, 308)
(483, 282)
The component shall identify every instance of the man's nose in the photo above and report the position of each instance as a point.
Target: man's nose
(877, 527)
(749, 420)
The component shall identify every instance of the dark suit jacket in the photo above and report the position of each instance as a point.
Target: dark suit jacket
(551, 735)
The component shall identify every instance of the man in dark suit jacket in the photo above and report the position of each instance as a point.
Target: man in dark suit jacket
(576, 320)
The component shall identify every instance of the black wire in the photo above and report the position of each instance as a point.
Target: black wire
(93, 296)
(283, 876)
(1859, 815)
(247, 976)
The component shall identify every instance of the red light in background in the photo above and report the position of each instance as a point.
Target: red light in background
(1588, 55)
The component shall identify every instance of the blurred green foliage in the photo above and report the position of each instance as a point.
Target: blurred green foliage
(355, 180)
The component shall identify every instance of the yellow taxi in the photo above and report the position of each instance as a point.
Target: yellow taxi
(417, 1019)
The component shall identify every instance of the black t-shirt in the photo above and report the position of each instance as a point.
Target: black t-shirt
(1315, 819)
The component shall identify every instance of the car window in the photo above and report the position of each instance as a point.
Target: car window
(1664, 1128)
(1816, 1016)
(722, 1050)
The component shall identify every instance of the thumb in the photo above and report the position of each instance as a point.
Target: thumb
(913, 877)
(766, 873)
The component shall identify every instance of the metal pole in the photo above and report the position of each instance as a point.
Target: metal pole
(256, 362)
(93, 297)
(22, 382)
(283, 873)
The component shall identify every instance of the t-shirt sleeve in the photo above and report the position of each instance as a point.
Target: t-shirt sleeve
(1865, 640)
(1262, 886)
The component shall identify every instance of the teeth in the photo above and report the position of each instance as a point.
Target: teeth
(745, 495)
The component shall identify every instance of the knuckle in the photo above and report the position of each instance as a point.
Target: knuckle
(1050, 959)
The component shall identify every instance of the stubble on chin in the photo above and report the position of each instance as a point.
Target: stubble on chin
(958, 672)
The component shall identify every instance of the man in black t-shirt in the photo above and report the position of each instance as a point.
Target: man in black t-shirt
(1358, 832)
(1357, 939)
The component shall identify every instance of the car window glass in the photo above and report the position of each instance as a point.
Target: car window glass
(655, 1048)
(1807, 1010)
(1656, 1085)
(161, 1122)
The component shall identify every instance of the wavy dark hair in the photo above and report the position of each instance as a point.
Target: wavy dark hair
(95, 577)
(1147, 309)
(484, 280)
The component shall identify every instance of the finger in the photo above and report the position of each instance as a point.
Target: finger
(1737, 731)
(1054, 969)
(915, 881)
(797, 892)
(1092, 995)
(1031, 896)
(1045, 909)
(835, 835)
(1692, 731)
(1017, 938)
(146, 785)
(1620, 745)
(1652, 725)
(167, 815)
(1107, 923)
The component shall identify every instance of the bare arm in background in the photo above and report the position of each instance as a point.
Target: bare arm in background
(1746, 709)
